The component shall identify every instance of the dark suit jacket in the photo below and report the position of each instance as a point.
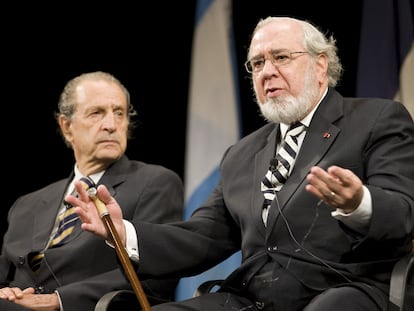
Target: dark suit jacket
(372, 137)
(85, 268)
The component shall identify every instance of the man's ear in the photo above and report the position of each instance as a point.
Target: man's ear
(65, 127)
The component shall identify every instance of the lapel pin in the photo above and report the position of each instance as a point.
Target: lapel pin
(326, 135)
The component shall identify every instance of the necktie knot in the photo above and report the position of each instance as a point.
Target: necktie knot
(295, 130)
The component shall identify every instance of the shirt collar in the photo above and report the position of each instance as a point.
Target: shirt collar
(95, 177)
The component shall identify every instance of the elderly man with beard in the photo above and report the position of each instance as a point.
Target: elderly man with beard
(321, 215)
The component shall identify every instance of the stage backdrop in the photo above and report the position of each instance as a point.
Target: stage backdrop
(386, 54)
(213, 118)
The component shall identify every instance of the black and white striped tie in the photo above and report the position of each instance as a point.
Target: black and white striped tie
(281, 166)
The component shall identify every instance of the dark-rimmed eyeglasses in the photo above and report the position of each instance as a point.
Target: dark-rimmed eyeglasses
(278, 59)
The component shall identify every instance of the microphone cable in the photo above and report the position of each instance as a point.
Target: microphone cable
(292, 236)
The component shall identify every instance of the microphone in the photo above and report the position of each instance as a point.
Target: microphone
(273, 164)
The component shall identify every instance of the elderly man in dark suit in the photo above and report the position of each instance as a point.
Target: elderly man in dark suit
(321, 210)
(37, 273)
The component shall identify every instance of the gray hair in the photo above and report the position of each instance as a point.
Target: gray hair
(68, 101)
(316, 43)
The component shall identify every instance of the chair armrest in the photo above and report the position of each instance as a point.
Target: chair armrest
(399, 280)
(124, 299)
(109, 299)
(206, 287)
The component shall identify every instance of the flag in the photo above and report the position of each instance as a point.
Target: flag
(213, 119)
(386, 51)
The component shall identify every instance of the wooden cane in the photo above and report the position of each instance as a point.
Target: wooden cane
(90, 186)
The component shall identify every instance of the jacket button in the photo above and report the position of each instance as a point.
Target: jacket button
(21, 260)
(39, 289)
(272, 248)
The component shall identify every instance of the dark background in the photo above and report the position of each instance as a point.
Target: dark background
(148, 47)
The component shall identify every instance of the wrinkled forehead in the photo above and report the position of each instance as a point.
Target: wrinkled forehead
(99, 93)
(276, 35)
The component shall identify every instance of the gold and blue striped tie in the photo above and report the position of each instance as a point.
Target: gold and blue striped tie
(67, 221)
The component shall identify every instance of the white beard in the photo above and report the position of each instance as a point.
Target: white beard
(289, 109)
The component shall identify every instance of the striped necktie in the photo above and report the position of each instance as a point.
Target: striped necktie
(67, 219)
(67, 222)
(281, 166)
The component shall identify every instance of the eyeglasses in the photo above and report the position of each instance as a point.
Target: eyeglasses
(278, 59)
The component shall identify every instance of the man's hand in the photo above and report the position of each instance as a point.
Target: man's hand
(337, 187)
(27, 298)
(88, 213)
(13, 293)
(39, 302)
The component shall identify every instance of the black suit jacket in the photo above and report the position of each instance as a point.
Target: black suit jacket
(372, 137)
(85, 267)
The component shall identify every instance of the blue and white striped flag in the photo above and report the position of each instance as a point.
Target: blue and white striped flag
(213, 118)
(386, 54)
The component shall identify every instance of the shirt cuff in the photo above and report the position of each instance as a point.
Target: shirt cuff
(131, 241)
(60, 301)
(359, 219)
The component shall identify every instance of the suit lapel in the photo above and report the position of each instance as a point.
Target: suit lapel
(262, 160)
(319, 137)
(110, 179)
(115, 175)
(45, 219)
